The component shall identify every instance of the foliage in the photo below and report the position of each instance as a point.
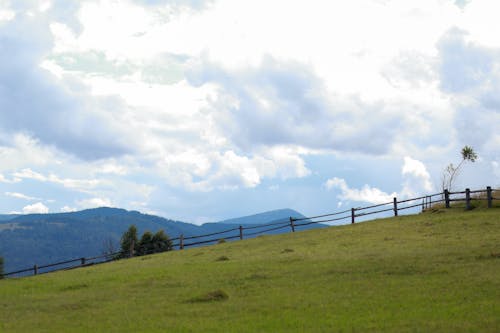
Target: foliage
(149, 243)
(129, 243)
(145, 244)
(1, 268)
(451, 172)
(161, 242)
(432, 272)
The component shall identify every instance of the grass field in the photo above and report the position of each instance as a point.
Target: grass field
(434, 272)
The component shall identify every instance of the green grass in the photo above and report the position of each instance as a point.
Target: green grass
(434, 272)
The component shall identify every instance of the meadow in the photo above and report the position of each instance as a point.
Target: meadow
(437, 271)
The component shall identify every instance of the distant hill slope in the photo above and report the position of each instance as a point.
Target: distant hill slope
(274, 215)
(6, 217)
(42, 239)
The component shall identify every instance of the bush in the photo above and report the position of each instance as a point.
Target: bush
(1, 268)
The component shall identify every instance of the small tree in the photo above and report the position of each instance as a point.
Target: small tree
(451, 172)
(129, 243)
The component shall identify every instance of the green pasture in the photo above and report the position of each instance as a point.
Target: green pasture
(438, 271)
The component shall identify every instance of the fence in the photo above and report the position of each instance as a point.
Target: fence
(350, 215)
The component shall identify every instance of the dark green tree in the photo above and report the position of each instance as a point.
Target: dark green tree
(146, 245)
(451, 172)
(161, 242)
(129, 243)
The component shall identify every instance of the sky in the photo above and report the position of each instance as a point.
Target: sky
(201, 111)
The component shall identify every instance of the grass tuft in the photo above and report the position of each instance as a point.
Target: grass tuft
(213, 296)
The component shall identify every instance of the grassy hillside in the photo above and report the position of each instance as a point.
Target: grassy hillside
(433, 272)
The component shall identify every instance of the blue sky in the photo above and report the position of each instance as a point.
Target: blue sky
(206, 110)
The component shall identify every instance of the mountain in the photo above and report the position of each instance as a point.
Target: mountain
(6, 217)
(266, 217)
(41, 239)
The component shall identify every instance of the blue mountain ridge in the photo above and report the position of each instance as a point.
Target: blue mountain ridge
(42, 239)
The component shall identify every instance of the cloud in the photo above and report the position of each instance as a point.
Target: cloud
(365, 194)
(470, 75)
(54, 111)
(94, 203)
(68, 209)
(417, 180)
(20, 196)
(77, 184)
(37, 208)
(286, 103)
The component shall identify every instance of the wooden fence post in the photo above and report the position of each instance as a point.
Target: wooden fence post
(395, 202)
(489, 196)
(467, 199)
(181, 242)
(35, 269)
(241, 232)
(447, 198)
(353, 215)
(292, 225)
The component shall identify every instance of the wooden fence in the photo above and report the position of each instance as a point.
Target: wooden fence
(350, 215)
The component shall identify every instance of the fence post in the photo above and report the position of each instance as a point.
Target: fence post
(395, 201)
(489, 196)
(35, 269)
(241, 232)
(83, 261)
(447, 198)
(181, 242)
(353, 215)
(467, 199)
(292, 225)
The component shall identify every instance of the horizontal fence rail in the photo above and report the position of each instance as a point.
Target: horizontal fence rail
(423, 202)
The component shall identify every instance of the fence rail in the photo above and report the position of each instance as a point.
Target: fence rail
(425, 202)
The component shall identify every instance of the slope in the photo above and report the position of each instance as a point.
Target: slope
(429, 272)
(48, 238)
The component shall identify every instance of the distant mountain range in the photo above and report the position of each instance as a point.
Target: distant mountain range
(42, 239)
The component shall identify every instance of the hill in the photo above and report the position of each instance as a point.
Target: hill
(42, 239)
(432, 272)
(279, 215)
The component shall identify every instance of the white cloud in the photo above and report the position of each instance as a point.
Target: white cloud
(417, 180)
(20, 196)
(365, 194)
(111, 97)
(68, 209)
(94, 203)
(37, 208)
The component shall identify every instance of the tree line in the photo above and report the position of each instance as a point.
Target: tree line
(149, 243)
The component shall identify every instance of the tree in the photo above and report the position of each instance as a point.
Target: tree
(149, 243)
(156, 243)
(146, 245)
(451, 172)
(1, 267)
(161, 242)
(129, 243)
